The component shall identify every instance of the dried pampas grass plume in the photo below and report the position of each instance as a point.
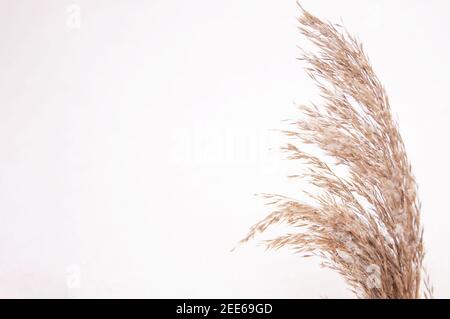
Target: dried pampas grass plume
(365, 221)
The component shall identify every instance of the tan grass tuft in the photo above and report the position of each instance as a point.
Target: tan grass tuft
(365, 221)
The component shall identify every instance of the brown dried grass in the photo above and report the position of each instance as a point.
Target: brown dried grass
(365, 221)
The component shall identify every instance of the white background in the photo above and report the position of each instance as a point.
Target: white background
(131, 147)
